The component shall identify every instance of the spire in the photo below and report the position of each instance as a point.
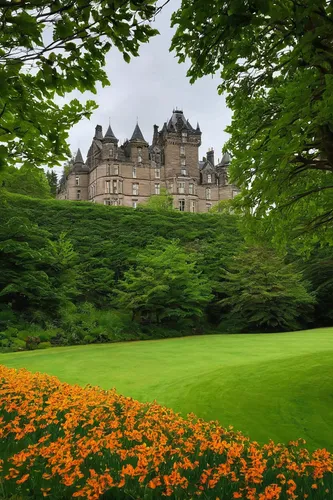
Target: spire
(198, 127)
(137, 134)
(109, 135)
(78, 157)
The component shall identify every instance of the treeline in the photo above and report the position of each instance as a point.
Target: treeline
(75, 272)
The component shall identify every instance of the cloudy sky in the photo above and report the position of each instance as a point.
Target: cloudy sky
(149, 88)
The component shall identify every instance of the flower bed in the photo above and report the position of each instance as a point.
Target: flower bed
(63, 441)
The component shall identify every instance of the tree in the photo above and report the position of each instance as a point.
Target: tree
(275, 59)
(48, 49)
(27, 180)
(52, 179)
(160, 202)
(164, 286)
(36, 274)
(264, 294)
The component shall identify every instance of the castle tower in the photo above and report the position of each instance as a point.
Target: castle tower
(180, 145)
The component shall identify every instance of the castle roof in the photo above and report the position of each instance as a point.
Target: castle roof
(79, 165)
(109, 135)
(137, 134)
(178, 122)
(226, 159)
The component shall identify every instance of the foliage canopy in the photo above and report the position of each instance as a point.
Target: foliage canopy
(275, 59)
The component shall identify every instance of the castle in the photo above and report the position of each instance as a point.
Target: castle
(129, 174)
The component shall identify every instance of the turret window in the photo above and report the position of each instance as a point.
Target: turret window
(108, 170)
(208, 206)
(209, 178)
(111, 153)
(157, 189)
(184, 136)
(182, 150)
(183, 161)
(116, 170)
(114, 187)
(157, 173)
(135, 189)
(77, 180)
(78, 194)
(208, 194)
(107, 187)
(139, 155)
(134, 172)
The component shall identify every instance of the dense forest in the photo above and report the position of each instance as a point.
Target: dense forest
(75, 272)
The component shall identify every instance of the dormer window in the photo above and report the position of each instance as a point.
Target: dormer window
(209, 178)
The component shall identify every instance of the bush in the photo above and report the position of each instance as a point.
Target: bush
(44, 345)
(67, 441)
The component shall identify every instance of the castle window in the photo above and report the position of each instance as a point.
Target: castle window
(171, 187)
(116, 155)
(134, 172)
(234, 193)
(107, 187)
(111, 153)
(134, 203)
(208, 206)
(114, 202)
(139, 155)
(77, 180)
(78, 194)
(184, 136)
(157, 173)
(181, 187)
(209, 178)
(107, 201)
(191, 188)
(182, 205)
(114, 187)
(108, 170)
(135, 189)
(183, 161)
(208, 193)
(182, 150)
(116, 170)
(157, 189)
(120, 186)
(183, 171)
(192, 206)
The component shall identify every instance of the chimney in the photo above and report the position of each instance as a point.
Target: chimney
(155, 137)
(98, 132)
(210, 156)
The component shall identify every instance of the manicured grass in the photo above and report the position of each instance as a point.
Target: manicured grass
(277, 386)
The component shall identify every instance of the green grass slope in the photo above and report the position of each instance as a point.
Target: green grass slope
(276, 386)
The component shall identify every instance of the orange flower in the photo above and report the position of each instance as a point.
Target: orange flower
(23, 479)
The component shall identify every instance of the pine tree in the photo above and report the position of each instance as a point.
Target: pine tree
(263, 293)
(53, 181)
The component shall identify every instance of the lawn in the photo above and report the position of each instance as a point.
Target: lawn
(276, 386)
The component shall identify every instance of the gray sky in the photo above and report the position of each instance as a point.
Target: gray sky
(149, 87)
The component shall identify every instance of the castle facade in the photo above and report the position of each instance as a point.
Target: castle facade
(130, 173)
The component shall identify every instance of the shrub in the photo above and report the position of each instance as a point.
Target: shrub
(44, 345)
(66, 441)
